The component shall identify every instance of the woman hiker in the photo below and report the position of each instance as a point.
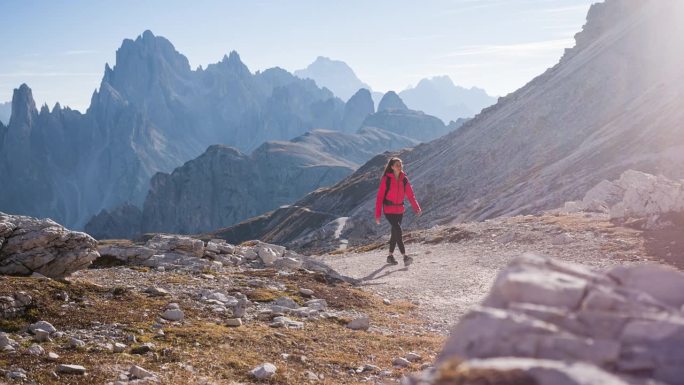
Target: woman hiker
(393, 187)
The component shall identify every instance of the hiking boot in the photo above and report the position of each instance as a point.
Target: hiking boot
(391, 260)
(407, 260)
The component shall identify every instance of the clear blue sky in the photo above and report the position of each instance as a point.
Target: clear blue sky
(59, 48)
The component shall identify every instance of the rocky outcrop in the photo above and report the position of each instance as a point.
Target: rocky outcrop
(391, 101)
(358, 107)
(29, 245)
(405, 122)
(643, 199)
(179, 252)
(123, 222)
(626, 322)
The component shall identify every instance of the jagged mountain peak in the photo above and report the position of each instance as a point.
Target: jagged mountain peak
(391, 101)
(23, 104)
(145, 61)
(335, 75)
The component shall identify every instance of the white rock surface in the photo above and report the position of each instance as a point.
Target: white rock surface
(30, 245)
(557, 315)
(263, 371)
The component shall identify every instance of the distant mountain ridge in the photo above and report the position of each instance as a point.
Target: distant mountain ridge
(334, 75)
(437, 96)
(223, 186)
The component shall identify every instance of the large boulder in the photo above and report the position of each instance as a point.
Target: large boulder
(636, 197)
(553, 320)
(30, 245)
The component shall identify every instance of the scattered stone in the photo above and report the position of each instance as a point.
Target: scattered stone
(234, 322)
(361, 323)
(367, 368)
(44, 325)
(41, 335)
(119, 347)
(386, 301)
(401, 362)
(16, 374)
(263, 371)
(173, 315)
(75, 343)
(286, 302)
(287, 263)
(142, 349)
(413, 357)
(156, 291)
(62, 296)
(311, 376)
(71, 369)
(36, 350)
(138, 372)
(52, 356)
(318, 304)
(279, 322)
(306, 292)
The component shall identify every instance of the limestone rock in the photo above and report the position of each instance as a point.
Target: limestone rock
(29, 245)
(263, 371)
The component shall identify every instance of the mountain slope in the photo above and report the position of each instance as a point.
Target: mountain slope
(612, 103)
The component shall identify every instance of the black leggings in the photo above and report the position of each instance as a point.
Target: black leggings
(395, 239)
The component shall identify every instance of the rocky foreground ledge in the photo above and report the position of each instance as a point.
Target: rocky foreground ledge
(547, 322)
(30, 245)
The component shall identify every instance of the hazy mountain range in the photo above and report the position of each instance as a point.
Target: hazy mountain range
(224, 186)
(612, 103)
(436, 96)
(151, 114)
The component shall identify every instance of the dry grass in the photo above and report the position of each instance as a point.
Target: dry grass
(214, 351)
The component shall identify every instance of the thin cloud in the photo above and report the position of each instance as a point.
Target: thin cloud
(79, 52)
(517, 49)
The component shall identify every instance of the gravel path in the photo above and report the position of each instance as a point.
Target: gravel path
(447, 278)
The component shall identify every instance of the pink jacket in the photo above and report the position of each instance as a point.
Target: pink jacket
(396, 194)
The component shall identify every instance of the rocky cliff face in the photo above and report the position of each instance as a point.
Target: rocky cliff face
(31, 245)
(609, 105)
(553, 322)
(358, 107)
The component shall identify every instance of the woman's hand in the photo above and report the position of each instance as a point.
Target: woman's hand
(377, 221)
(419, 212)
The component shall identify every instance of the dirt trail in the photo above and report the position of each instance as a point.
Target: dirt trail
(447, 277)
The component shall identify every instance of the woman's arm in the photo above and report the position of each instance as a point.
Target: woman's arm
(411, 197)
